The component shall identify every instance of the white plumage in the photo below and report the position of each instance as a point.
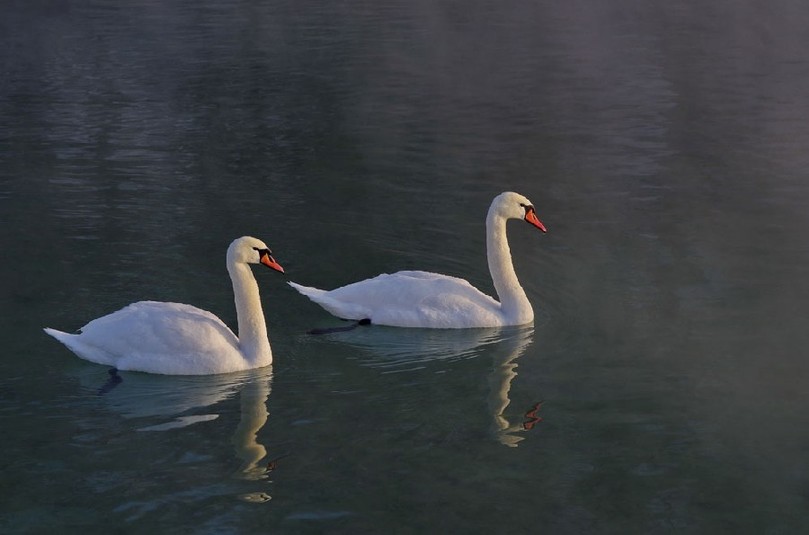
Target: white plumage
(432, 300)
(179, 339)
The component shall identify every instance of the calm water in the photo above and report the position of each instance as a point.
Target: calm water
(664, 146)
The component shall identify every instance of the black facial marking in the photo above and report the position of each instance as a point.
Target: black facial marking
(262, 252)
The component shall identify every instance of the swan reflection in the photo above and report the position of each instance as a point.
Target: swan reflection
(507, 428)
(394, 350)
(254, 414)
(174, 402)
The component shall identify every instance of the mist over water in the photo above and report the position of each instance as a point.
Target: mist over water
(664, 147)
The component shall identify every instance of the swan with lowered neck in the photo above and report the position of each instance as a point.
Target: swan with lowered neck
(431, 300)
(179, 339)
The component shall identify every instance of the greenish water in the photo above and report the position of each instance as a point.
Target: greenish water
(662, 388)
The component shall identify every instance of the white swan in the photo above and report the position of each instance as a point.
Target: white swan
(431, 300)
(178, 339)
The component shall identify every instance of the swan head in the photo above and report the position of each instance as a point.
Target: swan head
(511, 205)
(249, 250)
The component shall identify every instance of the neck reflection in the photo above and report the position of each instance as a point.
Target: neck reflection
(507, 427)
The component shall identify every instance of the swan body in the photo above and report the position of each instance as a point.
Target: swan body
(431, 300)
(180, 339)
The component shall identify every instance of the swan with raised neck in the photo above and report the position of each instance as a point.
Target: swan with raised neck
(179, 339)
(431, 300)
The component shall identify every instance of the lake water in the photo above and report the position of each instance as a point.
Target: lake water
(663, 388)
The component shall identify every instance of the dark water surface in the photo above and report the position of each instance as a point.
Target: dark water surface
(662, 389)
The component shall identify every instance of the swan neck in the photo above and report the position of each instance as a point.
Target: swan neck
(514, 302)
(253, 340)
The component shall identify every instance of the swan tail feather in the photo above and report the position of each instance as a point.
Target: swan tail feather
(308, 291)
(341, 309)
(63, 337)
(78, 346)
(71, 341)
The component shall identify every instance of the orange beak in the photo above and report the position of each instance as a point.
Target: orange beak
(270, 262)
(531, 217)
